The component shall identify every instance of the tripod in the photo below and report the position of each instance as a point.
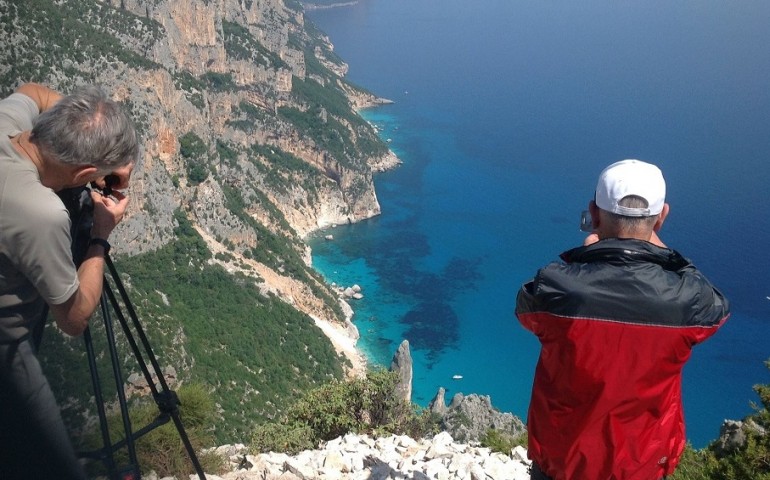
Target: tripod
(165, 398)
(78, 203)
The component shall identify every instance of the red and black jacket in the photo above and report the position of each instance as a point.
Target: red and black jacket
(616, 322)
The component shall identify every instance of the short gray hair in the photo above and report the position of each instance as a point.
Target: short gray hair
(87, 128)
(631, 224)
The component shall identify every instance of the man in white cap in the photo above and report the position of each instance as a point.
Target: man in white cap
(616, 319)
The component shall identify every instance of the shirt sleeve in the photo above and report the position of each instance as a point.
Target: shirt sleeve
(42, 251)
(17, 112)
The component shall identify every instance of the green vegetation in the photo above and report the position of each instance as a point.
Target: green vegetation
(240, 44)
(361, 406)
(330, 122)
(498, 441)
(161, 450)
(315, 36)
(227, 154)
(272, 352)
(284, 171)
(85, 45)
(195, 152)
(191, 86)
(750, 461)
(219, 82)
(256, 353)
(246, 117)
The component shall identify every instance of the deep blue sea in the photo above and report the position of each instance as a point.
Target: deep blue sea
(505, 113)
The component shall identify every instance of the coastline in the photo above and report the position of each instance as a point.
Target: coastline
(314, 6)
(344, 343)
(343, 337)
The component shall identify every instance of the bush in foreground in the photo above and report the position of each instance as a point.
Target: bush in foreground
(366, 405)
(748, 461)
(162, 449)
(502, 442)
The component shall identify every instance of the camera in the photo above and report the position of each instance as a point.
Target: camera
(109, 182)
(586, 223)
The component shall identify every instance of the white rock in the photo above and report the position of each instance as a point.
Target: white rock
(360, 457)
(335, 460)
(325, 473)
(477, 473)
(443, 438)
(519, 454)
(459, 463)
(303, 472)
(438, 451)
(436, 469)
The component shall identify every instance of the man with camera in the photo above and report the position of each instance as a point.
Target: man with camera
(48, 143)
(617, 320)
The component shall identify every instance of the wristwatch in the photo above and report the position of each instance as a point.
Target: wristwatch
(102, 243)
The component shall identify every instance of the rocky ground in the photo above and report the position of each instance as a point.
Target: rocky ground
(359, 457)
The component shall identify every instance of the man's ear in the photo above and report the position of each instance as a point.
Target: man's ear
(594, 214)
(661, 217)
(83, 174)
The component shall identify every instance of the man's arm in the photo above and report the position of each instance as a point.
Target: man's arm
(44, 97)
(72, 316)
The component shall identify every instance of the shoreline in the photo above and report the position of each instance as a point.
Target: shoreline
(343, 337)
(314, 6)
(344, 344)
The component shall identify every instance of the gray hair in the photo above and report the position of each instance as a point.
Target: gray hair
(87, 128)
(632, 224)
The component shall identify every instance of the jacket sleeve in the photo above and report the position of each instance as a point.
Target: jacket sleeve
(526, 307)
(711, 311)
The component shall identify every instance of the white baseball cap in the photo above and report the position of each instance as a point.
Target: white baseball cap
(631, 177)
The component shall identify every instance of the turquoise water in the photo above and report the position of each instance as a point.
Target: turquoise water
(505, 113)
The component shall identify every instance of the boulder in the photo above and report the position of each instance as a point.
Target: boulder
(468, 418)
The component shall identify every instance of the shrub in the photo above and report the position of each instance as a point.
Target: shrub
(751, 461)
(194, 151)
(162, 449)
(278, 437)
(366, 405)
(502, 442)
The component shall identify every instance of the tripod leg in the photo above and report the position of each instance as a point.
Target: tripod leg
(166, 400)
(106, 454)
(130, 443)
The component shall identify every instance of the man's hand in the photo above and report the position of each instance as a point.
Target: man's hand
(108, 212)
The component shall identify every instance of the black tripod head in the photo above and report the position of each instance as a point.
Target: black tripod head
(80, 207)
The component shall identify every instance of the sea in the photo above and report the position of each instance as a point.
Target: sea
(504, 113)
